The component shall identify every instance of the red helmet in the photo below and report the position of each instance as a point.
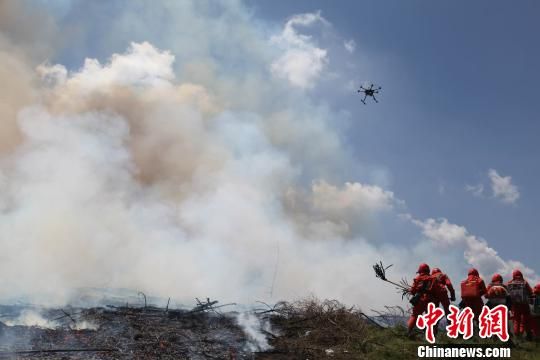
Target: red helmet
(423, 269)
(473, 272)
(435, 271)
(537, 289)
(497, 278)
(517, 274)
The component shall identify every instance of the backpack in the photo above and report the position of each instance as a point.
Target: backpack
(426, 290)
(471, 288)
(535, 305)
(439, 285)
(518, 292)
(497, 294)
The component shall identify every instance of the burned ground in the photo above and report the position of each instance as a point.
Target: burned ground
(124, 333)
(306, 329)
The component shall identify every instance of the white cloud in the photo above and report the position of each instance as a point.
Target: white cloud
(302, 61)
(141, 66)
(502, 187)
(476, 190)
(476, 250)
(350, 45)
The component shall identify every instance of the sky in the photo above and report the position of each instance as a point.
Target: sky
(459, 98)
(170, 139)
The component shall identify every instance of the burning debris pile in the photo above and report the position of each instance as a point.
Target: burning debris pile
(288, 330)
(121, 332)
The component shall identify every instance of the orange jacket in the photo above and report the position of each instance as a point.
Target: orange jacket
(442, 282)
(527, 286)
(497, 291)
(476, 278)
(423, 282)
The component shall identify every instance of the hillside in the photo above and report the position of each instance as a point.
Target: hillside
(306, 329)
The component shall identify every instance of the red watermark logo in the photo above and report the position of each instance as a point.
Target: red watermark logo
(460, 322)
(429, 321)
(492, 322)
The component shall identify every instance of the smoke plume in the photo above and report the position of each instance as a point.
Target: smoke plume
(125, 177)
(183, 162)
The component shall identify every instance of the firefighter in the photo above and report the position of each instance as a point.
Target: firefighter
(497, 293)
(422, 292)
(520, 291)
(535, 311)
(441, 282)
(472, 290)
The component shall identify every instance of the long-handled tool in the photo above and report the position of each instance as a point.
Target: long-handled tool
(380, 272)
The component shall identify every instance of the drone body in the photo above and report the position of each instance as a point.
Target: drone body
(371, 91)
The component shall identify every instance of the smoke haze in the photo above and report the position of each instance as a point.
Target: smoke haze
(170, 171)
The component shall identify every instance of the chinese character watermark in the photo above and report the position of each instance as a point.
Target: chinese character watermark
(492, 322)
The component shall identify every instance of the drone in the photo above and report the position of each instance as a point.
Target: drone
(371, 91)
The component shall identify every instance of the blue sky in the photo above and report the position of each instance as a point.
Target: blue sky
(460, 87)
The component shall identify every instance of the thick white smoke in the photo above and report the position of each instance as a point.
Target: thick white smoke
(252, 327)
(174, 195)
(174, 173)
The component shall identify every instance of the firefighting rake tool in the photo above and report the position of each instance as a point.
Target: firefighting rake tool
(380, 272)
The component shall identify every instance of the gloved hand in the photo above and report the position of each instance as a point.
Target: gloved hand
(453, 298)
